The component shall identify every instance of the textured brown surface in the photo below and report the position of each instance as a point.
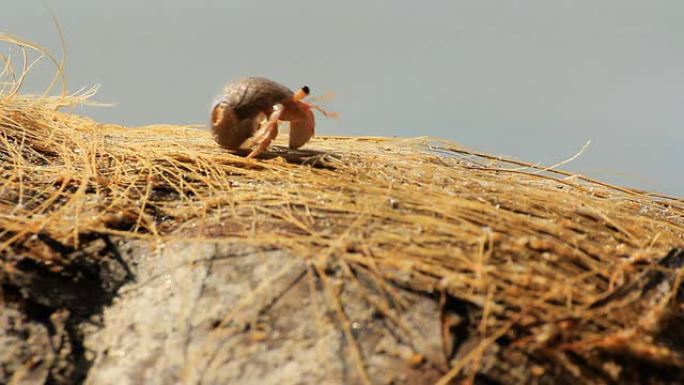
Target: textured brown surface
(521, 273)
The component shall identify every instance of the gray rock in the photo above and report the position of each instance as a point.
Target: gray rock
(199, 313)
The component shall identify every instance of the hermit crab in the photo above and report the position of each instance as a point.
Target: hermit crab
(238, 115)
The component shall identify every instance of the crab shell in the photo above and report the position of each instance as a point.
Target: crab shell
(237, 114)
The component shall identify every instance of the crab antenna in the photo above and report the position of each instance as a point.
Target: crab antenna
(328, 114)
(323, 98)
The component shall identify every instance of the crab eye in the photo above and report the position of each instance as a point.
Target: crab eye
(306, 89)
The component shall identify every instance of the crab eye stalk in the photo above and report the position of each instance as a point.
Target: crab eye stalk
(302, 93)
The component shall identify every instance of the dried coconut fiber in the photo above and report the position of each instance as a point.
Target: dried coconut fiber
(539, 275)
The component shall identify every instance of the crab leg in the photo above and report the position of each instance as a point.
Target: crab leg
(270, 132)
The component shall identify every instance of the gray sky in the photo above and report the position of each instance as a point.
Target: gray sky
(532, 79)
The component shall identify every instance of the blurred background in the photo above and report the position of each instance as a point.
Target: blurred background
(530, 79)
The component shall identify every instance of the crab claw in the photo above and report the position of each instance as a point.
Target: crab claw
(302, 129)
